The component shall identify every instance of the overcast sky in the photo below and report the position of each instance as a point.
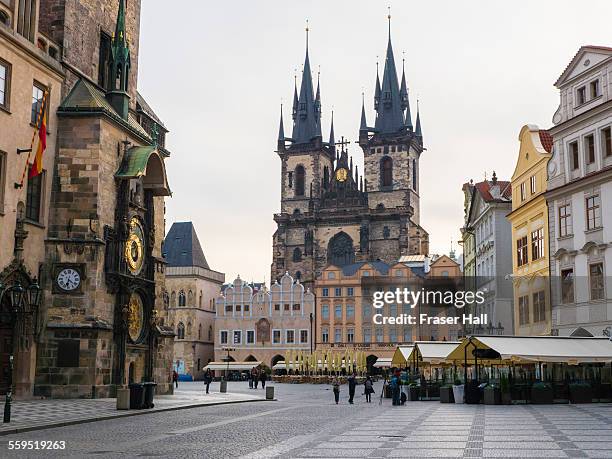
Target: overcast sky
(216, 73)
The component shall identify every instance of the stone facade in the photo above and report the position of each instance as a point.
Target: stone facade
(189, 297)
(579, 196)
(329, 213)
(264, 325)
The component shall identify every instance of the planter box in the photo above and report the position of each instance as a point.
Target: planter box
(458, 393)
(542, 396)
(413, 394)
(506, 398)
(492, 396)
(580, 394)
(446, 395)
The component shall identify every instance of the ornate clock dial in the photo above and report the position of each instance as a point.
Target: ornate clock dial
(68, 279)
(134, 247)
(341, 174)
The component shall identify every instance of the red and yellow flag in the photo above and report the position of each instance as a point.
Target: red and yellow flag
(37, 165)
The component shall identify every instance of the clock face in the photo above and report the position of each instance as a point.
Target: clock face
(68, 279)
(134, 249)
(341, 174)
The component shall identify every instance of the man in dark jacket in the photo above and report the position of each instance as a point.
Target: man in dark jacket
(352, 384)
(207, 379)
(262, 378)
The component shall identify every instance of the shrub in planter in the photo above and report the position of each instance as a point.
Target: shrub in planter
(413, 392)
(541, 393)
(446, 394)
(580, 393)
(492, 395)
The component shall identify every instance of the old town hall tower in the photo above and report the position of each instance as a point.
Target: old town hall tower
(329, 213)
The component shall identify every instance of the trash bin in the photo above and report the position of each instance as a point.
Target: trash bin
(136, 396)
(149, 393)
(223, 387)
(269, 392)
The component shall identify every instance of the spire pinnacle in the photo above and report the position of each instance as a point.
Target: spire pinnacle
(332, 140)
(418, 131)
(307, 120)
(281, 129)
(389, 18)
(363, 126)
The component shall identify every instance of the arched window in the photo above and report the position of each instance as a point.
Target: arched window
(300, 180)
(200, 301)
(325, 177)
(200, 332)
(189, 329)
(210, 333)
(173, 300)
(386, 172)
(181, 298)
(297, 254)
(190, 298)
(4, 18)
(340, 251)
(180, 331)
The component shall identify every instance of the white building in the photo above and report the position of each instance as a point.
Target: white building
(579, 195)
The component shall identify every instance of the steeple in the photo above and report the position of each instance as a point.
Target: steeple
(332, 140)
(318, 104)
(306, 126)
(120, 66)
(377, 90)
(363, 126)
(404, 98)
(281, 132)
(390, 117)
(295, 98)
(417, 130)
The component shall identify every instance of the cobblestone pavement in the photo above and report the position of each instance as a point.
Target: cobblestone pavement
(304, 422)
(30, 414)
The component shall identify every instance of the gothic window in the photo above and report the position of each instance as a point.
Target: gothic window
(325, 177)
(181, 298)
(190, 298)
(210, 330)
(386, 171)
(173, 299)
(166, 300)
(300, 179)
(189, 329)
(290, 175)
(180, 331)
(200, 300)
(340, 250)
(104, 60)
(26, 19)
(414, 175)
(297, 254)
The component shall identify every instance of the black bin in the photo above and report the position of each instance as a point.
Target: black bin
(149, 392)
(137, 396)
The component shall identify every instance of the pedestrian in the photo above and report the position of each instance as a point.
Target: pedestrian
(395, 388)
(262, 377)
(352, 384)
(336, 389)
(175, 378)
(369, 389)
(250, 379)
(255, 378)
(207, 379)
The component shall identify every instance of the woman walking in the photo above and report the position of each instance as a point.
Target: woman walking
(369, 389)
(336, 389)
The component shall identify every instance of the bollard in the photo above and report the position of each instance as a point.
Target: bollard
(123, 398)
(270, 393)
(223, 388)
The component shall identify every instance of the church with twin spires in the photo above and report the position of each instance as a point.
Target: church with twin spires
(331, 214)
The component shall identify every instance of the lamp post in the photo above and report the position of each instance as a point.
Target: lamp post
(22, 302)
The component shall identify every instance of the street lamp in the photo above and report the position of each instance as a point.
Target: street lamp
(22, 302)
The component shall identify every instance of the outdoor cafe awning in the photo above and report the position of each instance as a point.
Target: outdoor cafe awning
(435, 352)
(383, 362)
(401, 356)
(233, 366)
(530, 349)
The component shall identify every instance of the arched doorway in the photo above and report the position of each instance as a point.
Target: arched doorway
(277, 358)
(340, 251)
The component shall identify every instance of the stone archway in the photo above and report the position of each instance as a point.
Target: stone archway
(250, 358)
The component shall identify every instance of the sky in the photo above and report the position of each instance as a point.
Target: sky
(217, 72)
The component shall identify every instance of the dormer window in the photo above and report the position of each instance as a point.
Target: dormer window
(594, 85)
(581, 95)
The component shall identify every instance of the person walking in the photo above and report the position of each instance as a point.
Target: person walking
(175, 378)
(336, 389)
(262, 378)
(255, 378)
(369, 389)
(352, 384)
(207, 379)
(395, 388)
(250, 379)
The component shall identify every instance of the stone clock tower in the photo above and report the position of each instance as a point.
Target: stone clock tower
(329, 213)
(104, 272)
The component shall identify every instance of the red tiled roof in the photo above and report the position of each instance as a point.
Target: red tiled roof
(546, 140)
(484, 188)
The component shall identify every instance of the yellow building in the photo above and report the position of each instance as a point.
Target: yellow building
(529, 220)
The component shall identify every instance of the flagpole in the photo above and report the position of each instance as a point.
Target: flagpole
(38, 118)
